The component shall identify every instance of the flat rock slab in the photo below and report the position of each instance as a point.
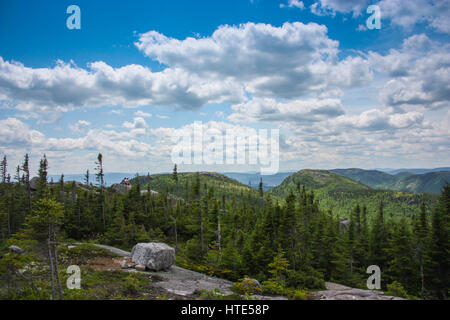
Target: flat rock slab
(339, 292)
(186, 282)
(117, 251)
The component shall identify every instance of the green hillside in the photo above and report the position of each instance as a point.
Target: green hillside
(372, 178)
(341, 194)
(220, 185)
(431, 182)
(428, 182)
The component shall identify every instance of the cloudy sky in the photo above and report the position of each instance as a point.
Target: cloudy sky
(138, 72)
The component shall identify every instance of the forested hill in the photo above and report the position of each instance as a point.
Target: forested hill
(227, 229)
(431, 182)
(211, 182)
(341, 194)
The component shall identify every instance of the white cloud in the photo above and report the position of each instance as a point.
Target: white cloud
(405, 14)
(330, 7)
(79, 126)
(418, 74)
(142, 114)
(297, 111)
(138, 123)
(65, 86)
(293, 4)
(15, 133)
(288, 61)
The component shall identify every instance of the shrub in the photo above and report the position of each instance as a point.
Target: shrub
(247, 286)
(271, 287)
(301, 279)
(396, 289)
(298, 294)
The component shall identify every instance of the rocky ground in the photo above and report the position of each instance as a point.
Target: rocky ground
(339, 292)
(187, 284)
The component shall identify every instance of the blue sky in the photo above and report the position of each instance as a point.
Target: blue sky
(136, 72)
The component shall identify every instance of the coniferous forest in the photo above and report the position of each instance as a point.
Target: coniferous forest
(286, 239)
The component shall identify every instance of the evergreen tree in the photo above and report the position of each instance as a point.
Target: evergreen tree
(378, 241)
(439, 246)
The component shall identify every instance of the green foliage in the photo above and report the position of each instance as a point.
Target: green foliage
(246, 286)
(272, 288)
(216, 294)
(83, 252)
(290, 239)
(298, 294)
(341, 194)
(109, 285)
(396, 289)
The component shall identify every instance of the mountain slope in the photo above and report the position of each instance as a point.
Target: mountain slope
(428, 182)
(341, 194)
(253, 179)
(372, 178)
(222, 185)
(431, 182)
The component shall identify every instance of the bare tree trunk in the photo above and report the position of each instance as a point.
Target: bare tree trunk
(58, 281)
(176, 236)
(9, 222)
(201, 228)
(219, 235)
(51, 265)
(421, 270)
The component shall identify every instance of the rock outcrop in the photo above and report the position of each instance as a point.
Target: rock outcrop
(153, 255)
(339, 292)
(121, 188)
(15, 249)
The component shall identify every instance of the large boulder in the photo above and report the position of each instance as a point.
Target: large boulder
(154, 255)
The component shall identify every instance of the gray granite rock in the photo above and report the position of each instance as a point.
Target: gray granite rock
(154, 255)
(15, 249)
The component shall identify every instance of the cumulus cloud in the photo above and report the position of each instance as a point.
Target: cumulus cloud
(138, 123)
(405, 14)
(418, 74)
(15, 133)
(376, 120)
(293, 4)
(79, 126)
(66, 87)
(330, 7)
(287, 61)
(142, 114)
(297, 111)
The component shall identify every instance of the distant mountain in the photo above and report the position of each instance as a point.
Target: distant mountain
(415, 171)
(253, 179)
(318, 179)
(341, 194)
(372, 178)
(431, 182)
(110, 177)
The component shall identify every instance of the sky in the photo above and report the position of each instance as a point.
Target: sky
(136, 74)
